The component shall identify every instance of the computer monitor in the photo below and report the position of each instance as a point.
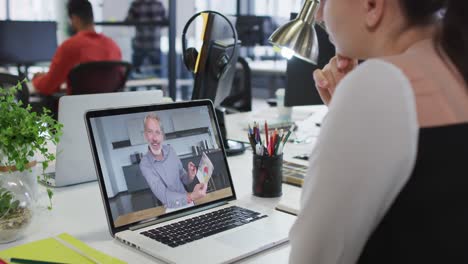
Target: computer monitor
(27, 42)
(254, 30)
(300, 84)
(207, 83)
(213, 80)
(213, 75)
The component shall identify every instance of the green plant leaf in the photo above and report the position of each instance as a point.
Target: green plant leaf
(50, 194)
(14, 205)
(23, 133)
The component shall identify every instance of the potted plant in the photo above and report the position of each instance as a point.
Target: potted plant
(23, 134)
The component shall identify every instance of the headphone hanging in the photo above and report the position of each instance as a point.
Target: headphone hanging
(190, 55)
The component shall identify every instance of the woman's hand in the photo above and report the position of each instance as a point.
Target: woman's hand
(328, 78)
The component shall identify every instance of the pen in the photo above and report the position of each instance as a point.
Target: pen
(269, 145)
(288, 134)
(275, 140)
(286, 139)
(280, 149)
(255, 131)
(266, 133)
(258, 131)
(252, 143)
(259, 149)
(278, 142)
(31, 261)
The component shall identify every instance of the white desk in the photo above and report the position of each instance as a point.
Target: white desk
(78, 210)
(157, 82)
(164, 82)
(268, 67)
(237, 127)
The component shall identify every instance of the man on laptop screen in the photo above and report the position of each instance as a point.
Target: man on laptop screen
(165, 178)
(163, 169)
(144, 170)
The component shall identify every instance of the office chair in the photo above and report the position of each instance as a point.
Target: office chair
(240, 99)
(9, 80)
(99, 77)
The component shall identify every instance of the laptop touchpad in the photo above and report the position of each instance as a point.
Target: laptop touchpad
(250, 238)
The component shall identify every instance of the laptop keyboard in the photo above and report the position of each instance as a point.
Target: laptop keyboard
(205, 225)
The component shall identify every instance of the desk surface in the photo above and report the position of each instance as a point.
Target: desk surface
(304, 116)
(268, 67)
(157, 81)
(78, 210)
(135, 83)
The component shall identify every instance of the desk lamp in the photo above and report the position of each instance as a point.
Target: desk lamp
(298, 37)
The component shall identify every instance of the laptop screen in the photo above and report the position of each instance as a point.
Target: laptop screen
(155, 160)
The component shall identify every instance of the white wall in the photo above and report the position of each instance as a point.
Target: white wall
(3, 9)
(112, 129)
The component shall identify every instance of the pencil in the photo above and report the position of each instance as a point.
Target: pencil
(288, 134)
(252, 143)
(275, 141)
(259, 135)
(32, 261)
(278, 142)
(285, 139)
(270, 146)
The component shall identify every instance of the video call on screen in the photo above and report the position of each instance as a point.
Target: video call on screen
(137, 186)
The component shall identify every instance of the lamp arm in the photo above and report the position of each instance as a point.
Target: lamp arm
(308, 11)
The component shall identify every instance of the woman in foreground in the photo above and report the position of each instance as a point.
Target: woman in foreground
(388, 177)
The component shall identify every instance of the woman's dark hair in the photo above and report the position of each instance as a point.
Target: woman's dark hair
(81, 9)
(453, 35)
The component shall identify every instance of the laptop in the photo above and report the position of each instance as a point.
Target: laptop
(216, 228)
(74, 163)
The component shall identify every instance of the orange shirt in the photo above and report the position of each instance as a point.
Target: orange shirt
(85, 46)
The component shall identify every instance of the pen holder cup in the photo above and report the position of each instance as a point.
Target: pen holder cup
(267, 175)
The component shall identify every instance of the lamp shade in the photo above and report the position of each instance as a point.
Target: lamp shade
(298, 37)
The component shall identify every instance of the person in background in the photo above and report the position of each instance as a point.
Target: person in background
(87, 45)
(146, 43)
(163, 169)
(388, 177)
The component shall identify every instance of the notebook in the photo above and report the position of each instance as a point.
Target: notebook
(157, 217)
(290, 203)
(74, 162)
(55, 250)
(293, 173)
